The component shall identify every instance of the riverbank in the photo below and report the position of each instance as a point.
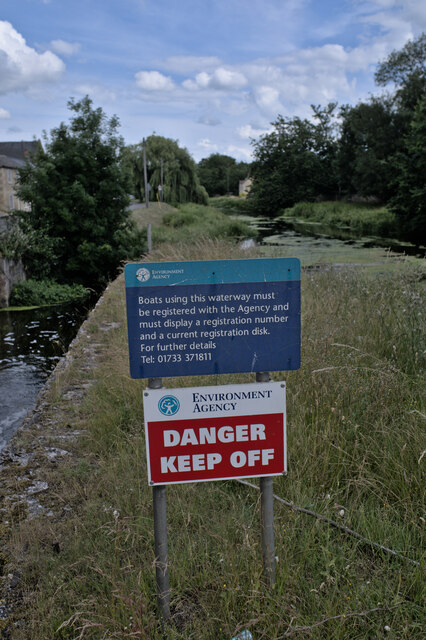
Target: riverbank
(360, 218)
(77, 509)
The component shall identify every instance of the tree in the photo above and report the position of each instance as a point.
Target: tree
(180, 179)
(78, 197)
(221, 174)
(295, 162)
(371, 134)
(407, 69)
(409, 201)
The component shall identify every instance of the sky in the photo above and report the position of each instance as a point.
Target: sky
(212, 74)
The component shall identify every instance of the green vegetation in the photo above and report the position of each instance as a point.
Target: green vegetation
(360, 218)
(295, 162)
(164, 159)
(409, 200)
(375, 149)
(44, 292)
(192, 222)
(240, 206)
(153, 215)
(79, 225)
(13, 241)
(189, 223)
(372, 133)
(221, 174)
(355, 450)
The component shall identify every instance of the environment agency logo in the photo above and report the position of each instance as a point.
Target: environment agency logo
(143, 274)
(169, 405)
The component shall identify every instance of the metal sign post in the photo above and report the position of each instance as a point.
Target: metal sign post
(267, 514)
(160, 536)
(213, 317)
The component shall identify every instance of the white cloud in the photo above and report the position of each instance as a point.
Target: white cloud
(221, 79)
(226, 79)
(247, 131)
(153, 81)
(21, 67)
(65, 48)
(244, 153)
(4, 115)
(207, 144)
(267, 99)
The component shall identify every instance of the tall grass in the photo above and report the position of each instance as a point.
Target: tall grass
(355, 450)
(192, 222)
(361, 218)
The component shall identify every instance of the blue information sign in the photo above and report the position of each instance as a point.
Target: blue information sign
(213, 317)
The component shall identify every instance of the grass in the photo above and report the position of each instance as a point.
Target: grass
(190, 222)
(359, 217)
(355, 448)
(153, 215)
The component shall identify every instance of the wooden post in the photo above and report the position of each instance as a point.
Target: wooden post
(267, 515)
(160, 536)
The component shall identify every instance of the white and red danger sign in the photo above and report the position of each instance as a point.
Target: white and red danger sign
(215, 433)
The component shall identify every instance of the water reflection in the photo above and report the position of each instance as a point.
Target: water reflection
(31, 343)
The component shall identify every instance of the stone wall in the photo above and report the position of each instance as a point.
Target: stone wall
(10, 273)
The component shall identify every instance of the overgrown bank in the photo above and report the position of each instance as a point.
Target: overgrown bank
(360, 218)
(83, 565)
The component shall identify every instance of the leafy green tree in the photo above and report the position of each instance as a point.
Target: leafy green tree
(371, 134)
(180, 180)
(406, 68)
(409, 201)
(295, 162)
(221, 174)
(77, 191)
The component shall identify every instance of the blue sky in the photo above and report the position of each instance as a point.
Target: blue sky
(210, 73)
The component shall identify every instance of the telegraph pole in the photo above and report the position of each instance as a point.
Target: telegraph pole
(145, 175)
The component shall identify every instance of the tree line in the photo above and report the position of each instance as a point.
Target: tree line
(375, 149)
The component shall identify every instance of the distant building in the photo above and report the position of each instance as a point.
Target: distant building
(244, 186)
(13, 156)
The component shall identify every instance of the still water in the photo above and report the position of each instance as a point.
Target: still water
(31, 343)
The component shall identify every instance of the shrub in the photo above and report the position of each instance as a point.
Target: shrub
(42, 292)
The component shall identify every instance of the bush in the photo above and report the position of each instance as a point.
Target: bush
(233, 206)
(42, 292)
(13, 241)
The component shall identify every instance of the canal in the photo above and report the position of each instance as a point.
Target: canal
(31, 343)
